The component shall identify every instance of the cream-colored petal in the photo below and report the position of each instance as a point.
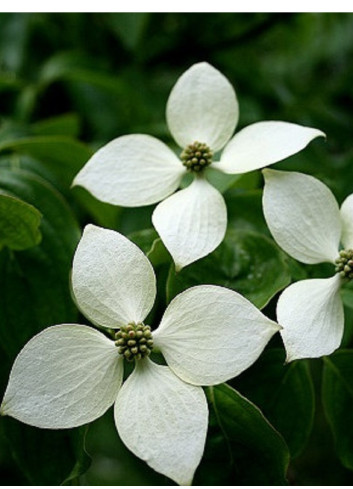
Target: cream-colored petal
(163, 420)
(66, 376)
(132, 171)
(303, 216)
(210, 334)
(264, 143)
(311, 314)
(112, 280)
(192, 222)
(347, 222)
(203, 107)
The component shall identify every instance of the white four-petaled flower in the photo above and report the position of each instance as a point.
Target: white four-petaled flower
(70, 374)
(202, 113)
(305, 220)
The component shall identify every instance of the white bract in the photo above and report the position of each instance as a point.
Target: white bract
(70, 374)
(305, 220)
(202, 113)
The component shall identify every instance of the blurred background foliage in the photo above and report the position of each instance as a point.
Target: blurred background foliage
(71, 82)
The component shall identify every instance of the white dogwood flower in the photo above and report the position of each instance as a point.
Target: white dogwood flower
(70, 374)
(202, 113)
(305, 220)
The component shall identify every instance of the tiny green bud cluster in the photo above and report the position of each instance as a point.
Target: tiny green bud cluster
(134, 341)
(344, 264)
(196, 157)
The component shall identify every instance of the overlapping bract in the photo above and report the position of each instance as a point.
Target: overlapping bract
(305, 220)
(70, 374)
(137, 170)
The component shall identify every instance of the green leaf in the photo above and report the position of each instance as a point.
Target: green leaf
(233, 184)
(144, 239)
(14, 33)
(9, 82)
(348, 320)
(89, 208)
(62, 155)
(103, 214)
(152, 245)
(63, 125)
(37, 290)
(10, 130)
(347, 297)
(337, 398)
(242, 447)
(245, 211)
(221, 181)
(19, 223)
(128, 26)
(71, 66)
(37, 294)
(284, 393)
(247, 262)
(47, 457)
(298, 271)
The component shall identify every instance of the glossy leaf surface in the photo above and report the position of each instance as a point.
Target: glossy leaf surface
(246, 261)
(337, 397)
(19, 223)
(284, 393)
(242, 446)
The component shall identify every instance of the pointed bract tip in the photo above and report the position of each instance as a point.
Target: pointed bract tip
(2, 410)
(74, 183)
(277, 326)
(267, 172)
(178, 267)
(291, 358)
(286, 361)
(321, 134)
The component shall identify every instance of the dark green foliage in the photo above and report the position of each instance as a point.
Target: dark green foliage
(337, 397)
(246, 261)
(35, 282)
(242, 447)
(34, 294)
(285, 393)
(47, 457)
(19, 223)
(71, 82)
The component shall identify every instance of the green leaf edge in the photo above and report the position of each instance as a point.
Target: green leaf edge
(329, 364)
(36, 235)
(211, 397)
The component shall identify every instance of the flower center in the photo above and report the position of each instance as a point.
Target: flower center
(196, 157)
(134, 341)
(344, 264)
